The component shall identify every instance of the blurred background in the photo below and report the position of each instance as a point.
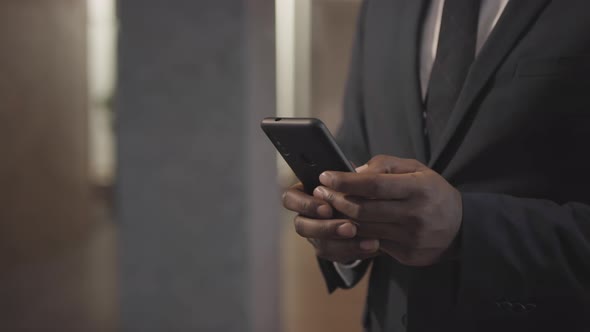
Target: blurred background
(137, 192)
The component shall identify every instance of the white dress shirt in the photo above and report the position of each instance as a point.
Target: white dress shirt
(489, 13)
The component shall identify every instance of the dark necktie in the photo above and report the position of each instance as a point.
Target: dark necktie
(454, 56)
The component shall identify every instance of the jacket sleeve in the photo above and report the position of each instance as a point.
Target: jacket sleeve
(351, 138)
(530, 253)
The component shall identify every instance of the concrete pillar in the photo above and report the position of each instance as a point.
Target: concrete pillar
(199, 236)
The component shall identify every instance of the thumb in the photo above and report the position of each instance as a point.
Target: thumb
(391, 165)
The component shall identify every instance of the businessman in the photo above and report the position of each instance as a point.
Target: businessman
(470, 123)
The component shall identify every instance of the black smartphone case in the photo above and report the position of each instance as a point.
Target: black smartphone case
(308, 148)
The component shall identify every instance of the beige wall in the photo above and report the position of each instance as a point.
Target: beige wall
(53, 250)
(306, 304)
(333, 28)
(42, 127)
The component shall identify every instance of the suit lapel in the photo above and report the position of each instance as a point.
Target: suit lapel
(411, 22)
(517, 18)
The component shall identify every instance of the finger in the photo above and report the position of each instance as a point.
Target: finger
(364, 169)
(296, 200)
(372, 185)
(386, 233)
(393, 165)
(362, 209)
(324, 228)
(343, 251)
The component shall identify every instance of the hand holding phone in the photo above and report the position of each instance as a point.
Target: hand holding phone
(309, 149)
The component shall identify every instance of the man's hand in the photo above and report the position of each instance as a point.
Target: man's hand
(333, 239)
(412, 210)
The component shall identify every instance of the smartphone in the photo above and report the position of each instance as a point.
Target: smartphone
(308, 148)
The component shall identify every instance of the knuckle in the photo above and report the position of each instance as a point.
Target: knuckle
(378, 160)
(418, 177)
(426, 192)
(421, 186)
(325, 230)
(359, 211)
(412, 216)
(415, 227)
(285, 197)
(416, 235)
(299, 226)
(415, 218)
(335, 182)
(421, 242)
(419, 165)
(412, 165)
(378, 185)
(414, 238)
(355, 207)
(415, 163)
(305, 205)
(331, 196)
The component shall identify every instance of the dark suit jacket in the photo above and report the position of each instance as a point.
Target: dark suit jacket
(516, 146)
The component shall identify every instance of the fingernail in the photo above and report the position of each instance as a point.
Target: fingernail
(326, 178)
(362, 168)
(324, 211)
(346, 230)
(321, 191)
(369, 245)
